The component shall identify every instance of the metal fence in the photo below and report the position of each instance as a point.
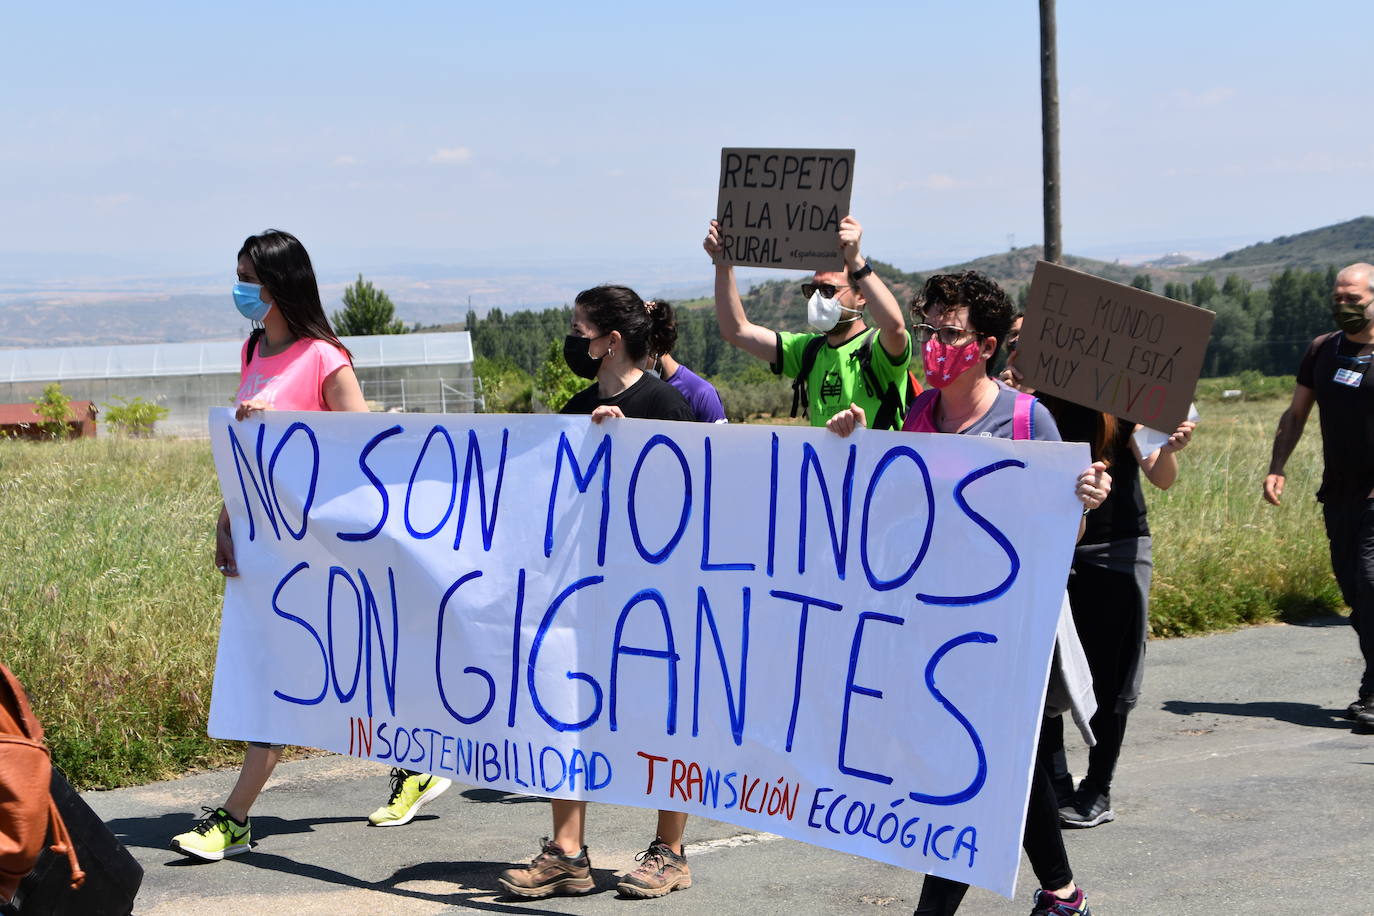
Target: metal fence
(425, 395)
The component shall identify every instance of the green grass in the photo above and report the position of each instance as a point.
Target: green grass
(109, 602)
(1223, 556)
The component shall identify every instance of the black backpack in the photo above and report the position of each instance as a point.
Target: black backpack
(890, 410)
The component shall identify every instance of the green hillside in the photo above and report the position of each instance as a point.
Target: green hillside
(1338, 245)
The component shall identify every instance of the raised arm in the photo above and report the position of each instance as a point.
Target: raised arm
(1286, 439)
(883, 309)
(735, 327)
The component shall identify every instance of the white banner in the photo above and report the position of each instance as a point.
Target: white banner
(845, 642)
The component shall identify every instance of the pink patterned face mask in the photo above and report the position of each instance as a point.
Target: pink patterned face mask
(944, 363)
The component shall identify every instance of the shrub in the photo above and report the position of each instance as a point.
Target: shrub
(136, 417)
(54, 410)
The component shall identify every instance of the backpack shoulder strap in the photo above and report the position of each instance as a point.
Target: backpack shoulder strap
(1023, 416)
(890, 413)
(917, 409)
(800, 392)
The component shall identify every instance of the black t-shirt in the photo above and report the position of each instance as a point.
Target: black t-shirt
(1122, 513)
(1334, 369)
(650, 398)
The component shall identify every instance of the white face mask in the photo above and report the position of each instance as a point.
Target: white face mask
(823, 314)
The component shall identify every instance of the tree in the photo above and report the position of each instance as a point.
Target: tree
(367, 310)
(1204, 291)
(135, 417)
(506, 388)
(1143, 281)
(54, 409)
(555, 383)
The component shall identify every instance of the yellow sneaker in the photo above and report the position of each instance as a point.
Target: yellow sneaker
(216, 836)
(409, 791)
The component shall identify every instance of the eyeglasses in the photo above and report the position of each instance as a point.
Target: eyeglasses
(950, 335)
(828, 290)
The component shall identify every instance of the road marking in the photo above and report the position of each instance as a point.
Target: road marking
(730, 842)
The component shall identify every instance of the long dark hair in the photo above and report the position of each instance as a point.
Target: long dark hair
(619, 308)
(283, 268)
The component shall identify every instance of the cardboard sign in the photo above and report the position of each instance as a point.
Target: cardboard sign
(782, 207)
(1112, 347)
(843, 641)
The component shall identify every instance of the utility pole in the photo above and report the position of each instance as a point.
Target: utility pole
(1049, 130)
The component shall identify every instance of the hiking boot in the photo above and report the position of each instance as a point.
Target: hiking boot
(409, 792)
(661, 871)
(1047, 904)
(551, 872)
(1364, 704)
(216, 836)
(1088, 809)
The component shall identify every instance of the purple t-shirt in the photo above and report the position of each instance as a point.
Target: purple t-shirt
(700, 394)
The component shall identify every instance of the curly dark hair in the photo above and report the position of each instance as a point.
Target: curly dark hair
(619, 308)
(989, 309)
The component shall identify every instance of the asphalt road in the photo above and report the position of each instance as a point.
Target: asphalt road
(1241, 790)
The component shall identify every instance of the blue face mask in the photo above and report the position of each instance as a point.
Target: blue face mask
(248, 299)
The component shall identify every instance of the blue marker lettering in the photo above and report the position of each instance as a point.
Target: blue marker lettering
(996, 535)
(603, 452)
(851, 688)
(376, 483)
(668, 654)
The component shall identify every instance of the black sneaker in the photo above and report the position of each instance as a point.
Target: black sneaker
(1364, 704)
(1089, 808)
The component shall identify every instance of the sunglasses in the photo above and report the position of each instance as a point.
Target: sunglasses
(828, 290)
(949, 335)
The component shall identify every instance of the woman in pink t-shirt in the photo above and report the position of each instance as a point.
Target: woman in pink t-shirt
(292, 361)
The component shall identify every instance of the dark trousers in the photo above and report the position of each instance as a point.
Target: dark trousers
(1043, 842)
(1350, 530)
(1108, 615)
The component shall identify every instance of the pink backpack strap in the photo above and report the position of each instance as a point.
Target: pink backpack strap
(1023, 416)
(918, 413)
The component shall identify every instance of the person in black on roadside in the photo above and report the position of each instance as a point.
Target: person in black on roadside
(1334, 374)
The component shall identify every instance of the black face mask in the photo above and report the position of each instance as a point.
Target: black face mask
(1350, 316)
(576, 355)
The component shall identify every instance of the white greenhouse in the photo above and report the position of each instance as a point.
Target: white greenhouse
(424, 373)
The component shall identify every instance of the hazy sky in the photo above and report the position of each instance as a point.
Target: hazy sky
(163, 133)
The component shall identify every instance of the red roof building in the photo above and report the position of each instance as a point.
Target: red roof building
(19, 421)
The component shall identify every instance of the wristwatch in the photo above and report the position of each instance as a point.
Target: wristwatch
(856, 275)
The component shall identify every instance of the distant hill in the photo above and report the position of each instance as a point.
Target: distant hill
(49, 319)
(1339, 245)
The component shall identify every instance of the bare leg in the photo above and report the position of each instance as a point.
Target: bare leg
(671, 825)
(258, 764)
(569, 821)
